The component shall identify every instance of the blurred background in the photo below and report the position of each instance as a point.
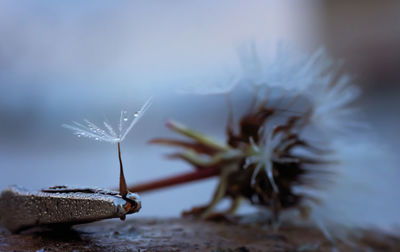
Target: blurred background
(68, 60)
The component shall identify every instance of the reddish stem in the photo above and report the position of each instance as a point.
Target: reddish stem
(123, 188)
(176, 180)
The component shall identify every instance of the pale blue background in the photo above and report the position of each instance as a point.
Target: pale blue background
(68, 60)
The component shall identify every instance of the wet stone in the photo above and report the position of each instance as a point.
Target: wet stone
(61, 206)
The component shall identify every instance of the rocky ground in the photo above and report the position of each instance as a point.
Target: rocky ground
(183, 234)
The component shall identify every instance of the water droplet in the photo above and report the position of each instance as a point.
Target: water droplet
(136, 114)
(125, 119)
(97, 139)
(79, 135)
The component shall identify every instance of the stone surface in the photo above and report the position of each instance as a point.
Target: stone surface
(21, 208)
(183, 234)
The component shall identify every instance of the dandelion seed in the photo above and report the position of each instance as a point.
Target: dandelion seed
(92, 131)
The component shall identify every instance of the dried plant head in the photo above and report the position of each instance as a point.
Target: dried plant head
(278, 154)
(109, 134)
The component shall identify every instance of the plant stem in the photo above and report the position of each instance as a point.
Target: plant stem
(176, 180)
(123, 188)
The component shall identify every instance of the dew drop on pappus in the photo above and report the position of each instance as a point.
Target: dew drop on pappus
(136, 114)
(125, 119)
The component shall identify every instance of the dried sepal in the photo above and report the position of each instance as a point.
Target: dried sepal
(195, 146)
(196, 136)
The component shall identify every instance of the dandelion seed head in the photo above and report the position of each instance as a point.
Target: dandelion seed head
(314, 77)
